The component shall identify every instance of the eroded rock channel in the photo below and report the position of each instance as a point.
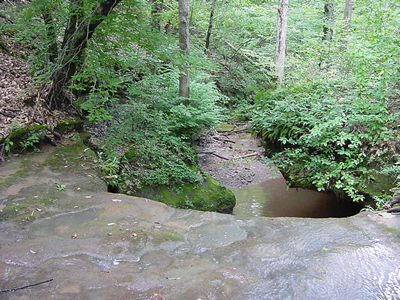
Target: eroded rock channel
(233, 157)
(58, 222)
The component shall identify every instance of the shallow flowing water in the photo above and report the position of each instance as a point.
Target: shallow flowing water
(272, 198)
(98, 245)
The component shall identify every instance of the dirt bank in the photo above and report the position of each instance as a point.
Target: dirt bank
(233, 156)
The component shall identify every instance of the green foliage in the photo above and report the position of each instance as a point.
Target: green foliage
(8, 144)
(60, 187)
(331, 136)
(336, 119)
(151, 151)
(185, 120)
(75, 137)
(29, 142)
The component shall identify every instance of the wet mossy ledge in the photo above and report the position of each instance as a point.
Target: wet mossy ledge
(65, 127)
(208, 196)
(25, 138)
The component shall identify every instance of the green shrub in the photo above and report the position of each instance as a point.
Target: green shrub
(332, 137)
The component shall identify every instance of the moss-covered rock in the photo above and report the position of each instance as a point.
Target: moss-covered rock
(69, 126)
(209, 196)
(23, 138)
(224, 127)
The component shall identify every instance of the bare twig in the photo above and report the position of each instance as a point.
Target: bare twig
(24, 287)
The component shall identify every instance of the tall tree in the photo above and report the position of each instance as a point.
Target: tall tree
(77, 34)
(184, 45)
(210, 25)
(156, 9)
(348, 11)
(328, 20)
(281, 40)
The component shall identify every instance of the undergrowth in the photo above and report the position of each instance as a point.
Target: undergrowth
(331, 137)
(149, 140)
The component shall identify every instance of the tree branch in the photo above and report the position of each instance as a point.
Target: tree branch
(24, 287)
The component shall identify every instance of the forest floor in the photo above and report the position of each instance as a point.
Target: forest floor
(233, 156)
(21, 103)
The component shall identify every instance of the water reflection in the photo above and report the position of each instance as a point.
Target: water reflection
(271, 198)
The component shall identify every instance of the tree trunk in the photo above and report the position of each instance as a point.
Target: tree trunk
(156, 9)
(74, 43)
(281, 40)
(328, 21)
(348, 10)
(184, 45)
(51, 36)
(210, 25)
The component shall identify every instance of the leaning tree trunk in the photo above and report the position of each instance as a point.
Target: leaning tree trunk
(210, 25)
(75, 41)
(281, 40)
(184, 45)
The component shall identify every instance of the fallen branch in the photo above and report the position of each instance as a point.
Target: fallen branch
(247, 155)
(394, 210)
(220, 156)
(56, 134)
(24, 287)
(236, 131)
(223, 140)
(7, 114)
(213, 153)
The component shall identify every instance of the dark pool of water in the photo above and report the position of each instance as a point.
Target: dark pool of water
(271, 198)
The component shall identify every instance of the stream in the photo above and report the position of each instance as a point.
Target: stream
(272, 198)
(260, 189)
(98, 245)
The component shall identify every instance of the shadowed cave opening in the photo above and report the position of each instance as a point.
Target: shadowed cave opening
(272, 198)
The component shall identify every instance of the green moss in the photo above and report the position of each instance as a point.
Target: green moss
(9, 179)
(172, 236)
(8, 212)
(72, 154)
(130, 155)
(224, 127)
(380, 186)
(26, 135)
(28, 209)
(69, 126)
(392, 230)
(209, 196)
(4, 48)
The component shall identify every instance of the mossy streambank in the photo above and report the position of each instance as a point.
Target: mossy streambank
(210, 195)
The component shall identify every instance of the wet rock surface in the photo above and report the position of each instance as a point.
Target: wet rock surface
(97, 245)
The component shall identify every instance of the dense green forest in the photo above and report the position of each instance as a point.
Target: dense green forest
(318, 81)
